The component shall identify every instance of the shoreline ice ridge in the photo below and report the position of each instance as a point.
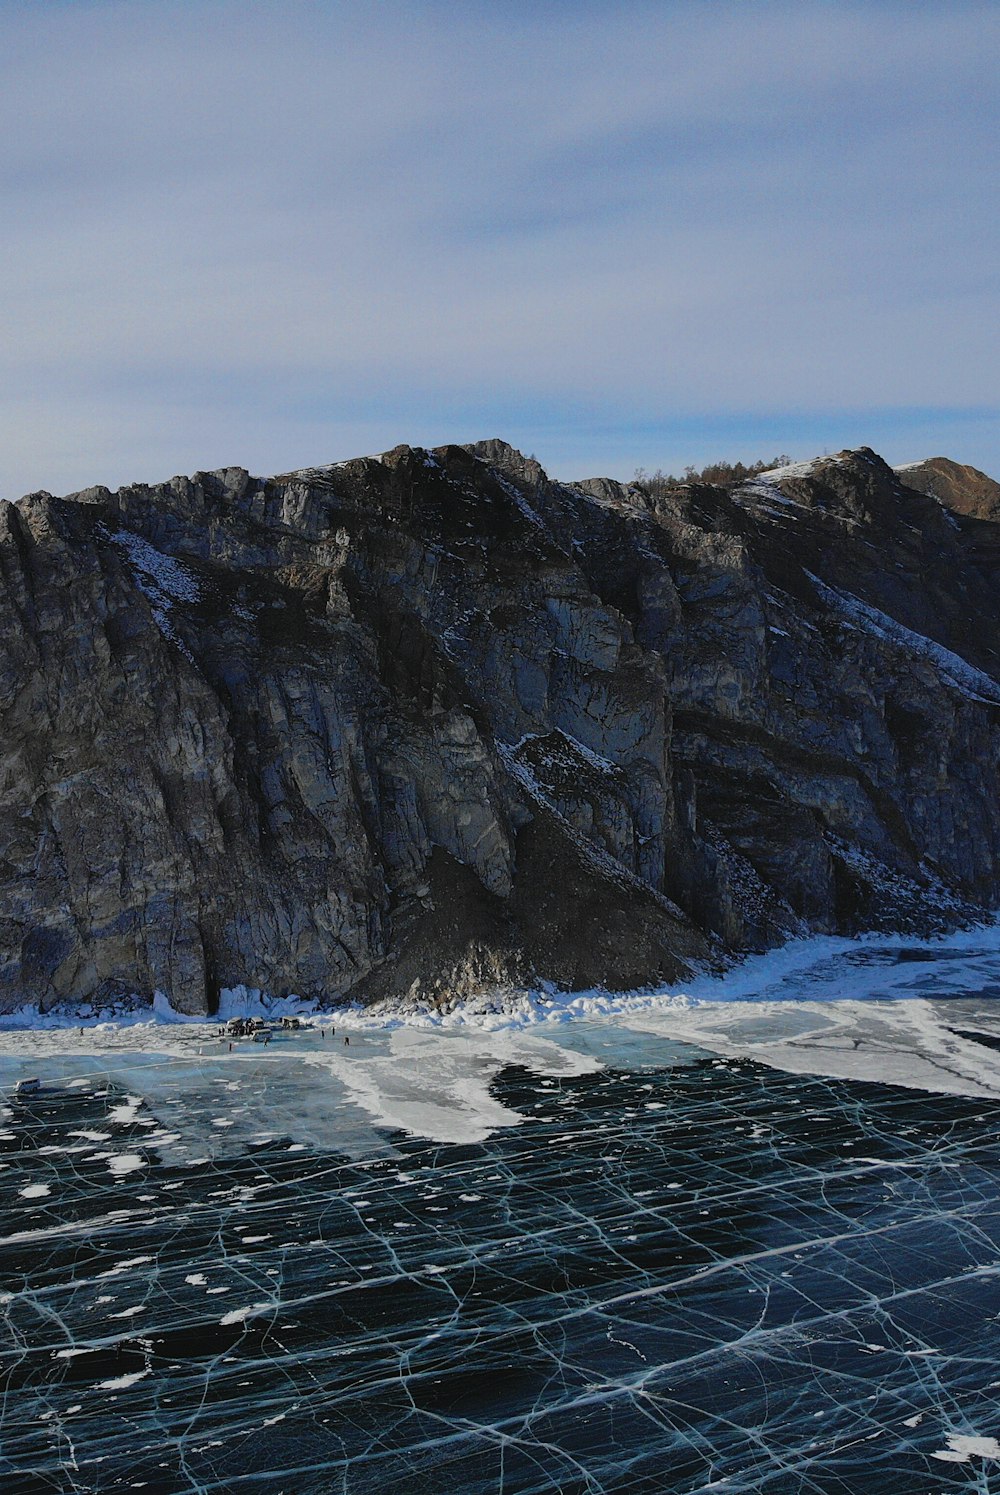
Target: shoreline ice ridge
(822, 962)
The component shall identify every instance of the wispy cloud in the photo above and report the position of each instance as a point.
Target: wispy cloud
(619, 234)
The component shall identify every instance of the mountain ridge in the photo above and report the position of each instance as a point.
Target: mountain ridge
(431, 720)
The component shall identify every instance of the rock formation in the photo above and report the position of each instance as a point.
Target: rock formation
(964, 489)
(431, 719)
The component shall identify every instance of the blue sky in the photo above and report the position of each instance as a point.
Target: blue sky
(618, 235)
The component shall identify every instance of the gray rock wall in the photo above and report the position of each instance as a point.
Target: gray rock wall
(433, 719)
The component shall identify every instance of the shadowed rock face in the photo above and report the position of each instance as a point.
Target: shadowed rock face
(433, 718)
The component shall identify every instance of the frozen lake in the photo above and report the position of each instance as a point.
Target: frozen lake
(745, 1238)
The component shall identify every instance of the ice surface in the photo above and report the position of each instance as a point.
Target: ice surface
(883, 1010)
(441, 1089)
(636, 1243)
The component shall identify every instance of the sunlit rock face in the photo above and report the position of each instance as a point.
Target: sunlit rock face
(433, 719)
(959, 487)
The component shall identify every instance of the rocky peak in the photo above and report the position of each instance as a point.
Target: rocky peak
(508, 460)
(964, 490)
(856, 486)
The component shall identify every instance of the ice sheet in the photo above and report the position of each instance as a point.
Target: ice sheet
(919, 1012)
(308, 1086)
(666, 1276)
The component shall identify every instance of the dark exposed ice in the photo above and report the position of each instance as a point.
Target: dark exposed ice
(655, 1264)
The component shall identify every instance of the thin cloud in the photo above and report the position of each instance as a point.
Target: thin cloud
(233, 229)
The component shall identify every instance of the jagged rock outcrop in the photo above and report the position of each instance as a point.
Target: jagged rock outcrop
(433, 719)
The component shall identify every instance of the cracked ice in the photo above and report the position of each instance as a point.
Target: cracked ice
(584, 1259)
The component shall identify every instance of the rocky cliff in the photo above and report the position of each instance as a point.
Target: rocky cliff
(432, 718)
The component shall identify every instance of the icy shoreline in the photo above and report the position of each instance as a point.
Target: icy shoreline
(879, 1009)
(755, 978)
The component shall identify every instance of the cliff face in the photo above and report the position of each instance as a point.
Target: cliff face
(433, 718)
